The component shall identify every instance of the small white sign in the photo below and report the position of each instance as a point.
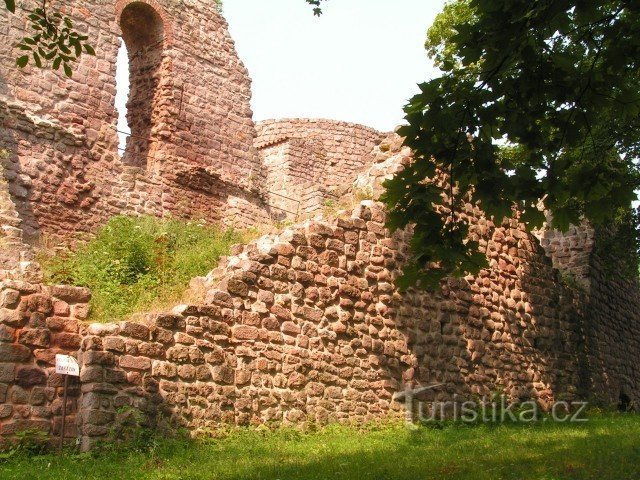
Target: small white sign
(67, 365)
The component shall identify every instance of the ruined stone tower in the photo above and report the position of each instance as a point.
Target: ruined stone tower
(190, 152)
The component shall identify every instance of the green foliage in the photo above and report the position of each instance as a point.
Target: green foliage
(557, 83)
(137, 263)
(53, 40)
(439, 47)
(27, 442)
(605, 447)
(317, 10)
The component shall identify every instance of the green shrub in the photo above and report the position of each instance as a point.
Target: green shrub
(135, 264)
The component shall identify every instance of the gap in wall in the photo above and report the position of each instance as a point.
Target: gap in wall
(122, 96)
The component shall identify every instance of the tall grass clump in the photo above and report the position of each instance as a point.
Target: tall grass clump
(136, 264)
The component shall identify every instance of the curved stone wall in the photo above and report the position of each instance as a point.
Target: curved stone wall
(309, 162)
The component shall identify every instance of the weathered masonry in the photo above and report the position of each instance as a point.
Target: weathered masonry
(305, 325)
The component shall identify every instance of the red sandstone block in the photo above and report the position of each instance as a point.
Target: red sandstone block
(30, 376)
(237, 287)
(67, 340)
(219, 328)
(162, 335)
(14, 318)
(112, 343)
(16, 426)
(11, 352)
(61, 308)
(154, 350)
(91, 342)
(290, 328)
(92, 374)
(271, 323)
(7, 372)
(80, 311)
(9, 298)
(94, 357)
(6, 410)
(38, 303)
(312, 314)
(281, 312)
(244, 332)
(305, 278)
(285, 249)
(134, 330)
(114, 376)
(136, 363)
(62, 324)
(220, 298)
(7, 334)
(183, 338)
(37, 337)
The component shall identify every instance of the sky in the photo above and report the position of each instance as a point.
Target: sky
(359, 62)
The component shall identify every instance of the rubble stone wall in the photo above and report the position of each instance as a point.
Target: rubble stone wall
(36, 323)
(309, 162)
(191, 150)
(308, 326)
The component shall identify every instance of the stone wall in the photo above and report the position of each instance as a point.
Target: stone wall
(17, 259)
(191, 150)
(308, 326)
(36, 323)
(309, 162)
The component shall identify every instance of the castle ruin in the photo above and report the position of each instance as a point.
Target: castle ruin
(305, 325)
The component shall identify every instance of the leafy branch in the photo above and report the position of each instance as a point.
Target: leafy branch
(54, 40)
(544, 92)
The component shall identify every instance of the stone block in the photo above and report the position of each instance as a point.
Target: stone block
(12, 352)
(7, 372)
(17, 426)
(9, 298)
(134, 330)
(135, 363)
(36, 337)
(14, 318)
(67, 340)
(7, 333)
(71, 294)
(30, 376)
(244, 332)
(114, 344)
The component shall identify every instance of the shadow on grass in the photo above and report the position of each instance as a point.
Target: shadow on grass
(607, 447)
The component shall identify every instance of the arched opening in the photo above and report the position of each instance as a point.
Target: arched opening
(624, 402)
(143, 35)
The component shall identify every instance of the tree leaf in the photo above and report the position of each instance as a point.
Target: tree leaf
(11, 5)
(36, 59)
(67, 70)
(22, 61)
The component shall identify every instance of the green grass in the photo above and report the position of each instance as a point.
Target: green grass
(606, 447)
(134, 264)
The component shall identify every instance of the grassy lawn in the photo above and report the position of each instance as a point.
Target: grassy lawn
(606, 447)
